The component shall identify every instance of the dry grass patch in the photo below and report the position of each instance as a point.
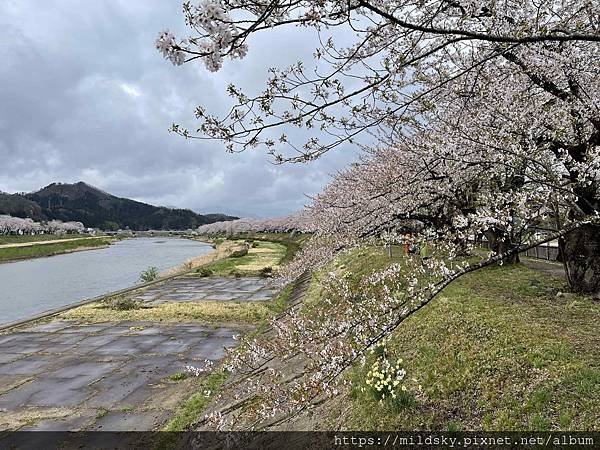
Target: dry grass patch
(206, 311)
(30, 416)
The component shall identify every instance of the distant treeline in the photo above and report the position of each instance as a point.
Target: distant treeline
(299, 222)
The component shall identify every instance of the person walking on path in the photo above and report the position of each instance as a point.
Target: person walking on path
(407, 243)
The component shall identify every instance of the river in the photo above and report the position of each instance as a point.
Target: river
(37, 285)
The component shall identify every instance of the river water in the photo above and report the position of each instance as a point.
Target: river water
(33, 286)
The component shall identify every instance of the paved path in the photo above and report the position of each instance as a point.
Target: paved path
(553, 268)
(193, 288)
(112, 376)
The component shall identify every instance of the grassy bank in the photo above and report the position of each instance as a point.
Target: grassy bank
(292, 244)
(497, 350)
(261, 256)
(191, 410)
(14, 239)
(36, 251)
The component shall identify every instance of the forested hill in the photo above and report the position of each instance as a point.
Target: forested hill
(98, 209)
(18, 206)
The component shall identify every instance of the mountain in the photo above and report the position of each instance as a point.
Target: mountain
(98, 209)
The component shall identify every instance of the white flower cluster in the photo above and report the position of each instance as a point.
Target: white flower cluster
(385, 378)
(166, 44)
(197, 371)
(218, 37)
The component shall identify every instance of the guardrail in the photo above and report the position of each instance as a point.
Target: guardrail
(545, 251)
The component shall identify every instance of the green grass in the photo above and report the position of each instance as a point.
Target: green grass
(292, 244)
(14, 239)
(279, 303)
(101, 413)
(497, 350)
(35, 251)
(266, 254)
(192, 409)
(178, 376)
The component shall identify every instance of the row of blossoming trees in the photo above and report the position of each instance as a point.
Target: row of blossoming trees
(285, 224)
(478, 117)
(19, 226)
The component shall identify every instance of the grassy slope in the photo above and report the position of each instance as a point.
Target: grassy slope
(497, 350)
(35, 251)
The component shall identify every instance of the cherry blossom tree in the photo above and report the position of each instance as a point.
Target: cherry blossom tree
(477, 117)
(404, 51)
(17, 225)
(405, 60)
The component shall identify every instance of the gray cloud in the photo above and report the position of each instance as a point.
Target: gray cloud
(85, 96)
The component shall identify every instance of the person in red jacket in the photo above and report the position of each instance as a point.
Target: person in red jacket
(407, 243)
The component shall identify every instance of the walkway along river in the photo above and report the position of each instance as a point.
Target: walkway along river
(37, 285)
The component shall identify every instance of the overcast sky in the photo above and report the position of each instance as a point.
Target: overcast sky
(85, 96)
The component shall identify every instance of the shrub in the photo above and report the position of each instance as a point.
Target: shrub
(266, 272)
(204, 272)
(122, 303)
(239, 252)
(150, 274)
(178, 376)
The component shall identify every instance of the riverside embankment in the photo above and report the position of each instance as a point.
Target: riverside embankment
(25, 249)
(32, 286)
(119, 363)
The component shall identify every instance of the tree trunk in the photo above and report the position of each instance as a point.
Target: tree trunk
(500, 244)
(561, 250)
(582, 259)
